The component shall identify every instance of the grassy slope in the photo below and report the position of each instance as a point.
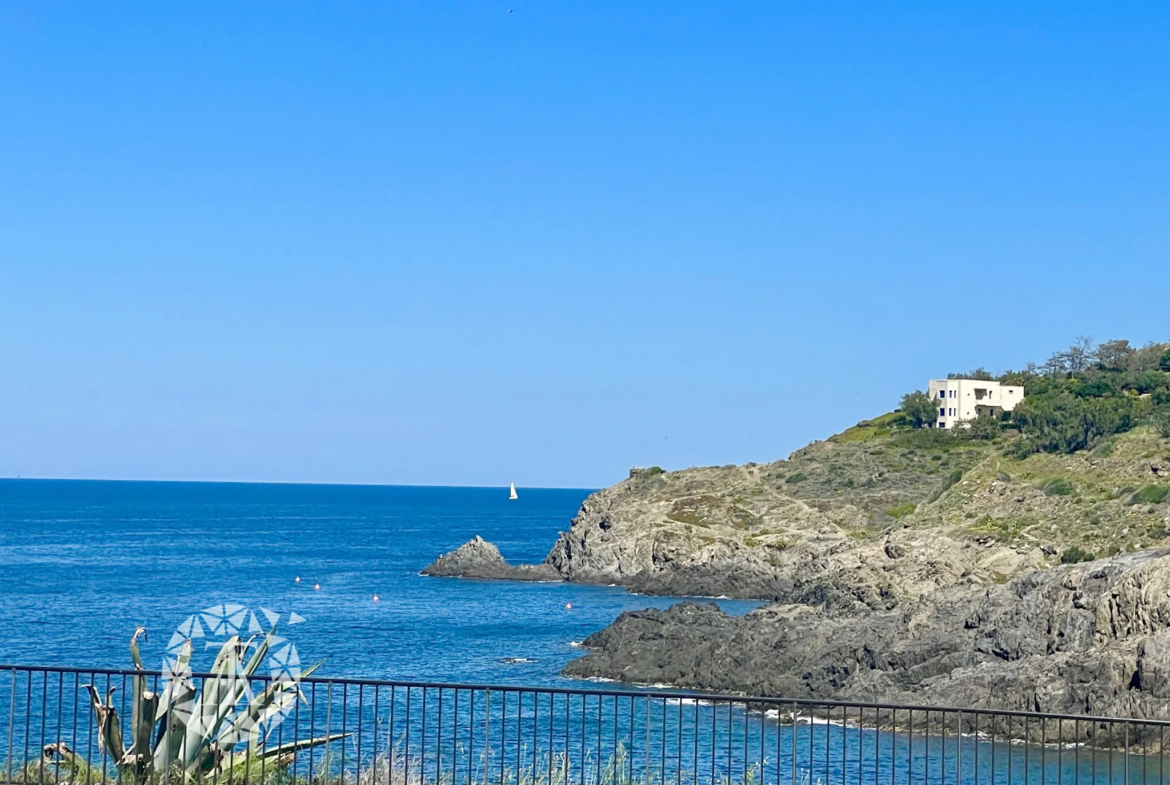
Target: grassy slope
(873, 478)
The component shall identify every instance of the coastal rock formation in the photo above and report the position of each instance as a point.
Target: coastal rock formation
(725, 533)
(1087, 638)
(478, 558)
(864, 520)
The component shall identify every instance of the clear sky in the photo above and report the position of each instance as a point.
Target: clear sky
(445, 243)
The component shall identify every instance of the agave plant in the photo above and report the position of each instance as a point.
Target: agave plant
(182, 731)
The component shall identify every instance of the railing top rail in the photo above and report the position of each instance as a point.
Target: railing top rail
(617, 693)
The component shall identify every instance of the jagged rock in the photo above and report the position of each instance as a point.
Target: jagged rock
(851, 525)
(1088, 638)
(478, 558)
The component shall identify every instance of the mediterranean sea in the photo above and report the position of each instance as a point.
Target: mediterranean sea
(82, 563)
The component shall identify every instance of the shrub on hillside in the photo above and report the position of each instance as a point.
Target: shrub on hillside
(1057, 486)
(1087, 392)
(927, 439)
(981, 428)
(901, 510)
(1062, 422)
(1148, 381)
(1076, 555)
(1095, 389)
(1150, 494)
(1162, 423)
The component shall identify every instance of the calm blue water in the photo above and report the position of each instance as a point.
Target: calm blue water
(82, 563)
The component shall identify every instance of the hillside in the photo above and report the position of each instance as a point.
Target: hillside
(871, 521)
(885, 511)
(1014, 563)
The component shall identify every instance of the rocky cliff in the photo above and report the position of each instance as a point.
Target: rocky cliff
(904, 567)
(1087, 638)
(868, 519)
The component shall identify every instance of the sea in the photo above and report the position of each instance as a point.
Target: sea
(83, 563)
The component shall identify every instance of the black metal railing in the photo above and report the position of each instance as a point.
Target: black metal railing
(398, 733)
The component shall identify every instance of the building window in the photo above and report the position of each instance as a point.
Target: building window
(942, 425)
(952, 393)
(942, 412)
(942, 393)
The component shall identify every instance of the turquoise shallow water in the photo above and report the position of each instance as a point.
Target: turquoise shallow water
(82, 563)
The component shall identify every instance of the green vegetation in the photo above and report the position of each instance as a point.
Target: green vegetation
(1104, 449)
(867, 430)
(1150, 494)
(1057, 486)
(1077, 471)
(1161, 421)
(902, 510)
(194, 735)
(919, 410)
(1086, 393)
(1076, 555)
(1075, 400)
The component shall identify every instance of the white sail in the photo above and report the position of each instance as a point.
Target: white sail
(512, 492)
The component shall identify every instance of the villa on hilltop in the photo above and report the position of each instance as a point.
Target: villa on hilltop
(959, 400)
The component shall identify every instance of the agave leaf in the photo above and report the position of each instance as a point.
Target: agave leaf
(277, 698)
(172, 726)
(302, 744)
(77, 766)
(225, 671)
(106, 718)
(242, 767)
(260, 653)
(179, 688)
(245, 722)
(307, 672)
(221, 693)
(144, 706)
(144, 724)
(134, 647)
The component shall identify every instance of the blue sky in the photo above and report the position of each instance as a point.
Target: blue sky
(442, 243)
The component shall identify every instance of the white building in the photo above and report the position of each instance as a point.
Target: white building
(965, 399)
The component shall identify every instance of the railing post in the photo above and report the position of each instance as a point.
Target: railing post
(1126, 770)
(959, 751)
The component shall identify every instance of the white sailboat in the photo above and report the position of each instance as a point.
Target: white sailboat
(512, 492)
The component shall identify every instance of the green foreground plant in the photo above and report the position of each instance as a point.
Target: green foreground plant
(186, 734)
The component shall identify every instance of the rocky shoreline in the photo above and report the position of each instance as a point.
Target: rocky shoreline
(900, 569)
(1091, 638)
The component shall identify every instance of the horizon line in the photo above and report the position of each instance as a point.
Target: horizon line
(290, 482)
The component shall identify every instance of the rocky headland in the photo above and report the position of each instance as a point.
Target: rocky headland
(900, 566)
(868, 519)
(1090, 638)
